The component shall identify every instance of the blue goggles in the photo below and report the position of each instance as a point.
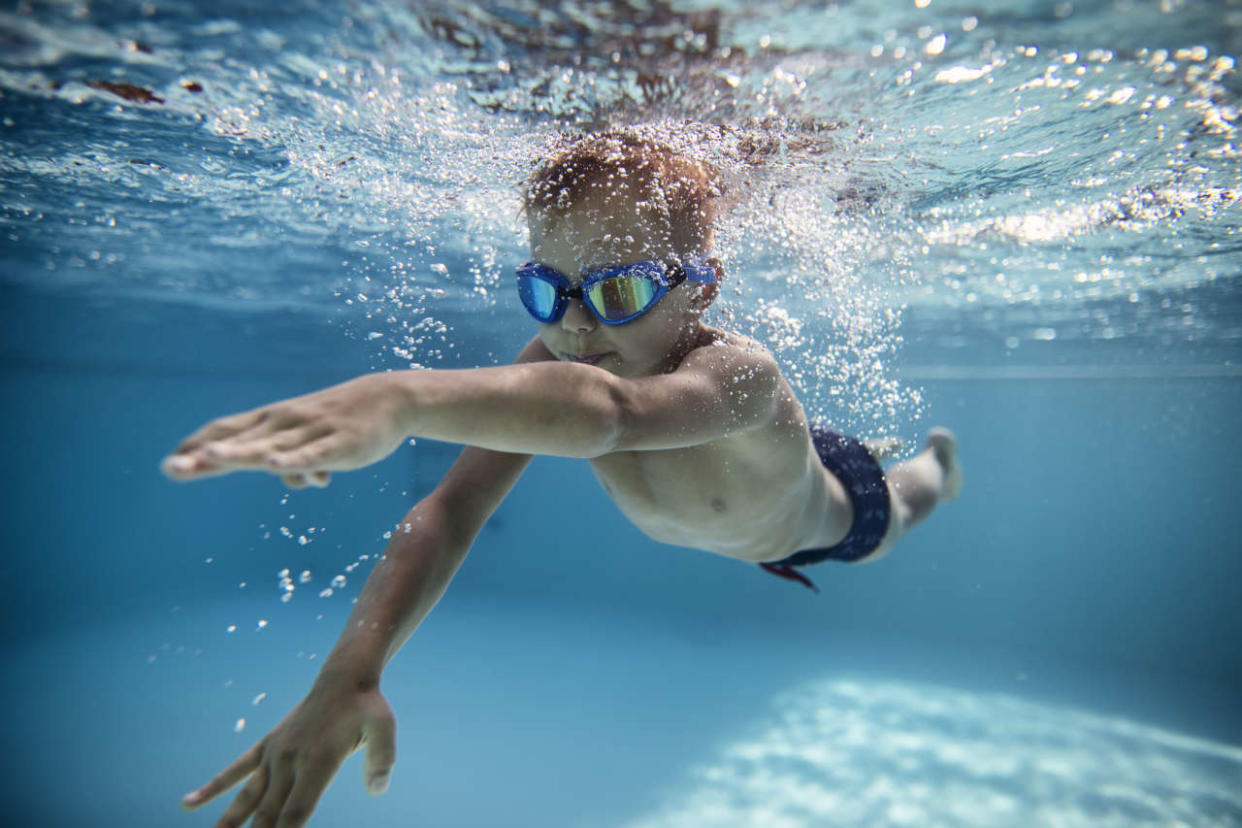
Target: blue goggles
(615, 294)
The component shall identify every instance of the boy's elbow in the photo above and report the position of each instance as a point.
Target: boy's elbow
(615, 412)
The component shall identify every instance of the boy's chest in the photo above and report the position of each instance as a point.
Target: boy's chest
(696, 496)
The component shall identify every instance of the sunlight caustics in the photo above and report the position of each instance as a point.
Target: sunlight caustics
(840, 752)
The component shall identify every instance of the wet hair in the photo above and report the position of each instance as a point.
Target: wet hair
(680, 191)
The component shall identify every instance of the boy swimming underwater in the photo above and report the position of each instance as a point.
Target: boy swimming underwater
(690, 429)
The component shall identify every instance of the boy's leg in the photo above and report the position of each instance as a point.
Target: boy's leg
(916, 485)
(929, 477)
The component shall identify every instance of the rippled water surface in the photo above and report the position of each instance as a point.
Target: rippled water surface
(1026, 172)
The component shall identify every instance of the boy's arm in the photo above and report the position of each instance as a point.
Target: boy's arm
(537, 407)
(344, 708)
(423, 556)
(289, 769)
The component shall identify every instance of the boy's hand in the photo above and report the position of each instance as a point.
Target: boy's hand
(291, 767)
(344, 427)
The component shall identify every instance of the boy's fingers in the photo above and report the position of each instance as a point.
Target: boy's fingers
(246, 801)
(222, 428)
(209, 454)
(225, 779)
(279, 781)
(309, 784)
(256, 447)
(261, 430)
(188, 467)
(300, 480)
(224, 457)
(292, 438)
(313, 456)
(381, 735)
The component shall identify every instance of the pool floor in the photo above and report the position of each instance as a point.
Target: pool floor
(512, 714)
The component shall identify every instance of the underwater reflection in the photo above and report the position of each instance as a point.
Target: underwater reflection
(888, 753)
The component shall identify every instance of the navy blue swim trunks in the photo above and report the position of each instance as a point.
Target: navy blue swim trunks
(851, 463)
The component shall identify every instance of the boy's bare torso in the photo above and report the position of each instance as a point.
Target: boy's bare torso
(758, 495)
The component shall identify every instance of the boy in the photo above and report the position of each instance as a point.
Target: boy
(690, 429)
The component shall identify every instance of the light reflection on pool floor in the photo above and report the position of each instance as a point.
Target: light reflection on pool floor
(892, 753)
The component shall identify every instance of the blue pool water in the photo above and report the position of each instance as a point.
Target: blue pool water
(1018, 220)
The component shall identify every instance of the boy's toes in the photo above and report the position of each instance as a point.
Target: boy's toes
(943, 442)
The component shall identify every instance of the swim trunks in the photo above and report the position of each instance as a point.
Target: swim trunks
(850, 462)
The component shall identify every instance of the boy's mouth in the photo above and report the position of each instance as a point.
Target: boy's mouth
(586, 359)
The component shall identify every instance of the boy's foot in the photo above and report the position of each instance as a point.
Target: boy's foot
(944, 447)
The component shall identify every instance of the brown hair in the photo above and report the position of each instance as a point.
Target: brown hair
(680, 190)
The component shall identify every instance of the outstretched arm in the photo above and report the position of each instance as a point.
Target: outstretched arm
(539, 406)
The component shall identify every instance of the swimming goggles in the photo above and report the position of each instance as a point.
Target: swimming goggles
(615, 294)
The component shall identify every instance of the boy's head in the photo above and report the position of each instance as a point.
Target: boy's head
(673, 196)
(615, 199)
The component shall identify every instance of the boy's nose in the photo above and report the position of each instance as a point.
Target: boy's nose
(577, 318)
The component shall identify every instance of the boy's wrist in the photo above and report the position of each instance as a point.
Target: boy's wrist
(405, 391)
(351, 668)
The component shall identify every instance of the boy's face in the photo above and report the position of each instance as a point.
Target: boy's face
(606, 231)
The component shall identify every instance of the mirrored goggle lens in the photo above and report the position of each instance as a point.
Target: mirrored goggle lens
(622, 296)
(538, 295)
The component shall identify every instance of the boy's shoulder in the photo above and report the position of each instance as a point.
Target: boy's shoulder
(722, 347)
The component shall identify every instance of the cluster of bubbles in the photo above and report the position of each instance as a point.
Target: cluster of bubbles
(879, 156)
(286, 585)
(287, 581)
